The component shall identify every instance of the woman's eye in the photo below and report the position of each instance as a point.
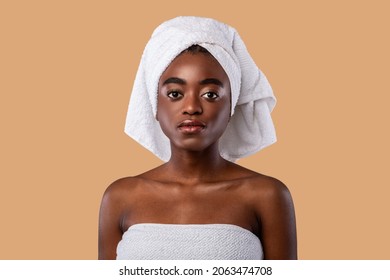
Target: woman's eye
(174, 94)
(211, 95)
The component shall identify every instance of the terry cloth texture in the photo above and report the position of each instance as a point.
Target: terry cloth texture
(250, 128)
(189, 242)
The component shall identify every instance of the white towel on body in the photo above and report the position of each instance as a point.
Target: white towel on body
(189, 242)
(250, 128)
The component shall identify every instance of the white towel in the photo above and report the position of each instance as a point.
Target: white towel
(250, 128)
(189, 242)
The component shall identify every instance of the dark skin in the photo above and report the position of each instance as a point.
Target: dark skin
(198, 186)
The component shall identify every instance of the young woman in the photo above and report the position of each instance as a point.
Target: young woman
(199, 102)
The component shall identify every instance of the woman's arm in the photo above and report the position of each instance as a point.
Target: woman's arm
(110, 232)
(277, 217)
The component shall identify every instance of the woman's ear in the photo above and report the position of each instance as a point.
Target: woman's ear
(156, 116)
(230, 104)
(157, 100)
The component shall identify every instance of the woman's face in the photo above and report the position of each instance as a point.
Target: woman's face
(193, 101)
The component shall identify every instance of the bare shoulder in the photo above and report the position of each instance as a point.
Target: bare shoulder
(114, 203)
(268, 192)
(261, 186)
(265, 193)
(120, 186)
(268, 188)
(273, 206)
(120, 191)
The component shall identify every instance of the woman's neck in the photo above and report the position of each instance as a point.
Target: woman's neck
(190, 167)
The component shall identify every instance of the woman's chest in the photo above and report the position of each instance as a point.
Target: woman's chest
(218, 204)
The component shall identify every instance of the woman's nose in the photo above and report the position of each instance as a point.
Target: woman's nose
(192, 105)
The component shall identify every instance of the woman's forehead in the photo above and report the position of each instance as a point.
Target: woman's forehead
(195, 66)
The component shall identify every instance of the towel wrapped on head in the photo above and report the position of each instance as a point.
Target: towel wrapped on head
(250, 128)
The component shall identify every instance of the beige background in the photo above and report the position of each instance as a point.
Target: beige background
(66, 71)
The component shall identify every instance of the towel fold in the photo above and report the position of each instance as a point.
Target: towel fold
(250, 128)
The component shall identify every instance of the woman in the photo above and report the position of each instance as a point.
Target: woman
(199, 102)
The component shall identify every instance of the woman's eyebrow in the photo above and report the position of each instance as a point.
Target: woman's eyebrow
(174, 80)
(211, 81)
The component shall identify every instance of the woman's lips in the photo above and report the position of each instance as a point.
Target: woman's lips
(191, 126)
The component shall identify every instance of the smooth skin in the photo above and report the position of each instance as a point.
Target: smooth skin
(198, 186)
